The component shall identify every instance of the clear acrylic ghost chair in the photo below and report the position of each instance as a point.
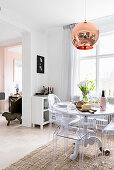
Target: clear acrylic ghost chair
(101, 121)
(92, 131)
(70, 133)
(91, 126)
(107, 135)
(52, 100)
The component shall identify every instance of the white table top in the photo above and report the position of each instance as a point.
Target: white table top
(65, 110)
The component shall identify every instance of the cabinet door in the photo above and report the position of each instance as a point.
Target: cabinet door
(45, 104)
(37, 110)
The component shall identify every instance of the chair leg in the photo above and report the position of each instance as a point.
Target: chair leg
(111, 139)
(54, 150)
(50, 127)
(81, 155)
(66, 143)
(103, 147)
(66, 140)
(66, 146)
(96, 150)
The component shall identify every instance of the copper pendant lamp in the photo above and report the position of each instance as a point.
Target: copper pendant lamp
(85, 35)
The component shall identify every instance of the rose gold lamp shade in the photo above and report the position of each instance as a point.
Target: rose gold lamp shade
(85, 35)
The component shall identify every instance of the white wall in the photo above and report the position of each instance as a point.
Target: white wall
(48, 45)
(26, 79)
(33, 43)
(39, 47)
(56, 60)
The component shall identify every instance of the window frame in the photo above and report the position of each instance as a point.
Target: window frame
(97, 57)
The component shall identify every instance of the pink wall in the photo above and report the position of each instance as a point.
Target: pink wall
(8, 71)
(2, 76)
(1, 69)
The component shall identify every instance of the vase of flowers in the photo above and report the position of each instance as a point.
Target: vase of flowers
(85, 96)
(86, 87)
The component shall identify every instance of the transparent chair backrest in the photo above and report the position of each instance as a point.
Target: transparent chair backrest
(66, 118)
(52, 99)
(112, 119)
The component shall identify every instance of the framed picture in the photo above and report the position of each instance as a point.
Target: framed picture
(40, 64)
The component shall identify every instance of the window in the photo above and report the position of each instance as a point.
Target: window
(106, 75)
(16, 54)
(17, 70)
(91, 52)
(88, 69)
(98, 65)
(106, 45)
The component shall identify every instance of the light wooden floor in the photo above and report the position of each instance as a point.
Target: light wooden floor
(17, 141)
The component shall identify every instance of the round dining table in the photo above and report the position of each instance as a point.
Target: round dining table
(63, 108)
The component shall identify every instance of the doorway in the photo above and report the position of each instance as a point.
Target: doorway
(12, 35)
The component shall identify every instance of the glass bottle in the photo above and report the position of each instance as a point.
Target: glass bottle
(103, 101)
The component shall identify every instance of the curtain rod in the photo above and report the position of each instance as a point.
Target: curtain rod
(70, 26)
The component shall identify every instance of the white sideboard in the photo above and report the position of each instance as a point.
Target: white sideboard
(40, 112)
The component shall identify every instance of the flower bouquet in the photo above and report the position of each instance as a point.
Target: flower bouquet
(86, 87)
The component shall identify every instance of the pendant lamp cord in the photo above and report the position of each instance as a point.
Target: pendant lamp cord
(85, 10)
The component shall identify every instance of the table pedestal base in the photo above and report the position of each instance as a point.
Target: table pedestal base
(90, 140)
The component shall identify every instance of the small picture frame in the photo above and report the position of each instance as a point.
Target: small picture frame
(40, 64)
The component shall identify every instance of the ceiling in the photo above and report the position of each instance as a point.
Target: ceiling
(8, 34)
(51, 13)
(54, 13)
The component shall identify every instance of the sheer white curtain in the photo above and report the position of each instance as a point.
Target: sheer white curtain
(75, 71)
(70, 73)
(66, 65)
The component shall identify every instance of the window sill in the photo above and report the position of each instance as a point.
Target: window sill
(111, 97)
